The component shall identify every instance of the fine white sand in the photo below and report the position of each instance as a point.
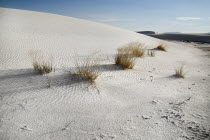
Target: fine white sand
(146, 103)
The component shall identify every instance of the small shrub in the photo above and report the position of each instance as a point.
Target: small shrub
(151, 53)
(125, 61)
(134, 48)
(87, 69)
(87, 74)
(43, 68)
(47, 67)
(179, 72)
(36, 65)
(162, 47)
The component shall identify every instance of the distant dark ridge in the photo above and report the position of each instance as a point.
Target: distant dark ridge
(203, 38)
(172, 33)
(146, 32)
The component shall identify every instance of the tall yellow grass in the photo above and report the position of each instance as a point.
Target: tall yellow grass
(87, 68)
(125, 61)
(135, 49)
(126, 55)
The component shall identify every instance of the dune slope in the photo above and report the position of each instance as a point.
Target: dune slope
(147, 103)
(26, 31)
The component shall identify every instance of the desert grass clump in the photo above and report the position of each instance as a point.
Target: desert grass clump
(134, 48)
(87, 69)
(43, 67)
(151, 53)
(161, 47)
(36, 65)
(47, 67)
(179, 72)
(125, 61)
(87, 74)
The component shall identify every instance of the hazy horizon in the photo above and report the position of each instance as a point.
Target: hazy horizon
(185, 16)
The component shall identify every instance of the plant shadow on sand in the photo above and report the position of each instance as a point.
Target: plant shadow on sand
(19, 80)
(170, 77)
(24, 80)
(20, 73)
(106, 67)
(155, 49)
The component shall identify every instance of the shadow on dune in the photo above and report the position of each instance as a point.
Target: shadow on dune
(154, 49)
(65, 80)
(104, 67)
(10, 74)
(26, 80)
(174, 77)
(19, 80)
(170, 77)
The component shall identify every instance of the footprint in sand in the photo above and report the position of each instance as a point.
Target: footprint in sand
(25, 128)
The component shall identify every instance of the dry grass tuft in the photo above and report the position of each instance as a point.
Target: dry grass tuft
(86, 70)
(87, 74)
(179, 72)
(125, 61)
(151, 53)
(47, 67)
(43, 67)
(125, 57)
(162, 47)
(36, 65)
(134, 48)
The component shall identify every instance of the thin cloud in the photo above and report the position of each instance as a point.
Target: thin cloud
(188, 18)
(108, 20)
(102, 18)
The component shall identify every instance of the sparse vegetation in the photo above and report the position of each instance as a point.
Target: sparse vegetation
(134, 48)
(162, 47)
(43, 67)
(125, 57)
(36, 65)
(87, 70)
(179, 72)
(151, 53)
(125, 61)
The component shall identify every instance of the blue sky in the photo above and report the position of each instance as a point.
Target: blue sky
(137, 15)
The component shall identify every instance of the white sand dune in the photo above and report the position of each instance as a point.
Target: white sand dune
(124, 105)
(24, 31)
